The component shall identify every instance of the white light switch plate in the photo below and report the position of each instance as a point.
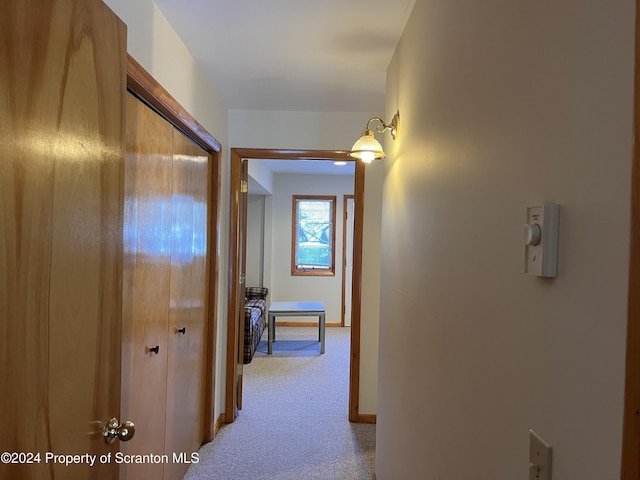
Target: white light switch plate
(540, 454)
(541, 240)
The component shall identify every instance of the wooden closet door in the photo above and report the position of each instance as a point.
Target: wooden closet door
(61, 152)
(147, 273)
(185, 377)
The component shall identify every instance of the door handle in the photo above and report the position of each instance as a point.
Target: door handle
(113, 430)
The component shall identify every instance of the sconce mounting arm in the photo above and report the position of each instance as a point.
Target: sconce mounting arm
(393, 126)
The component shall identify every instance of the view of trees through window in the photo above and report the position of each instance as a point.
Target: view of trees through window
(314, 225)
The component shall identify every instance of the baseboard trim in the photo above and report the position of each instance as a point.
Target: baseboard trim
(305, 324)
(367, 418)
(219, 422)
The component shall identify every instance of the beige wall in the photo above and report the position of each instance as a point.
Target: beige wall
(154, 44)
(370, 312)
(505, 105)
(283, 286)
(255, 241)
(296, 130)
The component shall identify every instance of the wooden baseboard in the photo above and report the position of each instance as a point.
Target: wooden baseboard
(367, 418)
(218, 424)
(305, 324)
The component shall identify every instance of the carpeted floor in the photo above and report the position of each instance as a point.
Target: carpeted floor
(294, 422)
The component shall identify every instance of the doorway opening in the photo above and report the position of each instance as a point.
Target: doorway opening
(239, 174)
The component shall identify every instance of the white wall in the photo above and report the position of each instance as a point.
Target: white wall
(255, 241)
(370, 308)
(504, 105)
(284, 286)
(330, 131)
(152, 42)
(260, 178)
(296, 130)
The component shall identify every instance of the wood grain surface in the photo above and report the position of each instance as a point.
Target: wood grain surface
(147, 274)
(165, 287)
(187, 351)
(145, 87)
(630, 469)
(61, 159)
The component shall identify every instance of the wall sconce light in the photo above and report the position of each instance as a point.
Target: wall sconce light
(367, 148)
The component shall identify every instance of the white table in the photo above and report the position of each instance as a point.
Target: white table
(295, 309)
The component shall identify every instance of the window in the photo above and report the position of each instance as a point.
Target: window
(313, 235)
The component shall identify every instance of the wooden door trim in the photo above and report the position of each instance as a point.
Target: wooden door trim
(631, 431)
(345, 199)
(244, 177)
(356, 295)
(145, 87)
(231, 394)
(237, 155)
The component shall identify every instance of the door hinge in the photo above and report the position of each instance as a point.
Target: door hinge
(239, 371)
(243, 278)
(244, 186)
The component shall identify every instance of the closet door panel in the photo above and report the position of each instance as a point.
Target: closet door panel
(147, 273)
(185, 379)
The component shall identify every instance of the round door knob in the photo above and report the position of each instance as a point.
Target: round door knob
(113, 430)
(532, 234)
(126, 431)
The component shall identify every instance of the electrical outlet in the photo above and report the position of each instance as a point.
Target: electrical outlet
(540, 453)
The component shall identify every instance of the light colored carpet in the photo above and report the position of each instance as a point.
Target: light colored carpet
(294, 423)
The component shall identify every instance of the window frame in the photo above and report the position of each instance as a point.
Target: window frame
(313, 272)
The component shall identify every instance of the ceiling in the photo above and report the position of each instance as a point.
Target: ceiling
(306, 167)
(292, 55)
(327, 167)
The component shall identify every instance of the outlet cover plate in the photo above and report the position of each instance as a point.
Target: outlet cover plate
(540, 454)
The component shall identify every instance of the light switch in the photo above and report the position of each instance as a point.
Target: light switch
(540, 454)
(541, 240)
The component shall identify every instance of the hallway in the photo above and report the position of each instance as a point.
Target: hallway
(294, 421)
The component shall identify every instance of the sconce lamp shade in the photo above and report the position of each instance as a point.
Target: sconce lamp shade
(367, 148)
